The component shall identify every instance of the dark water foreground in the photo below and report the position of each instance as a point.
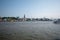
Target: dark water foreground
(29, 31)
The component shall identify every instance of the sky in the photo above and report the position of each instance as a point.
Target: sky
(31, 8)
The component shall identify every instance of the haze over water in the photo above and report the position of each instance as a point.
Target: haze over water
(36, 30)
(29, 30)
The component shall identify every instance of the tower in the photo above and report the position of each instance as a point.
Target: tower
(24, 18)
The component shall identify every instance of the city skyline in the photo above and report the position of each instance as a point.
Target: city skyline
(31, 8)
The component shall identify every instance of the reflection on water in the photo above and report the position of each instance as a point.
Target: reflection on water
(40, 30)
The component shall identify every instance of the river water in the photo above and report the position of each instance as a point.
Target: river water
(36, 30)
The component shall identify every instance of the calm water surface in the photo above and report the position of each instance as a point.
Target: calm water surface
(41, 30)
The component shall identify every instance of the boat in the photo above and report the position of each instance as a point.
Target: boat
(57, 21)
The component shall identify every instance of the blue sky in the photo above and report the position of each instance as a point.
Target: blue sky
(31, 8)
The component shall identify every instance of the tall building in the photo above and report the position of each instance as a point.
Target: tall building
(24, 19)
